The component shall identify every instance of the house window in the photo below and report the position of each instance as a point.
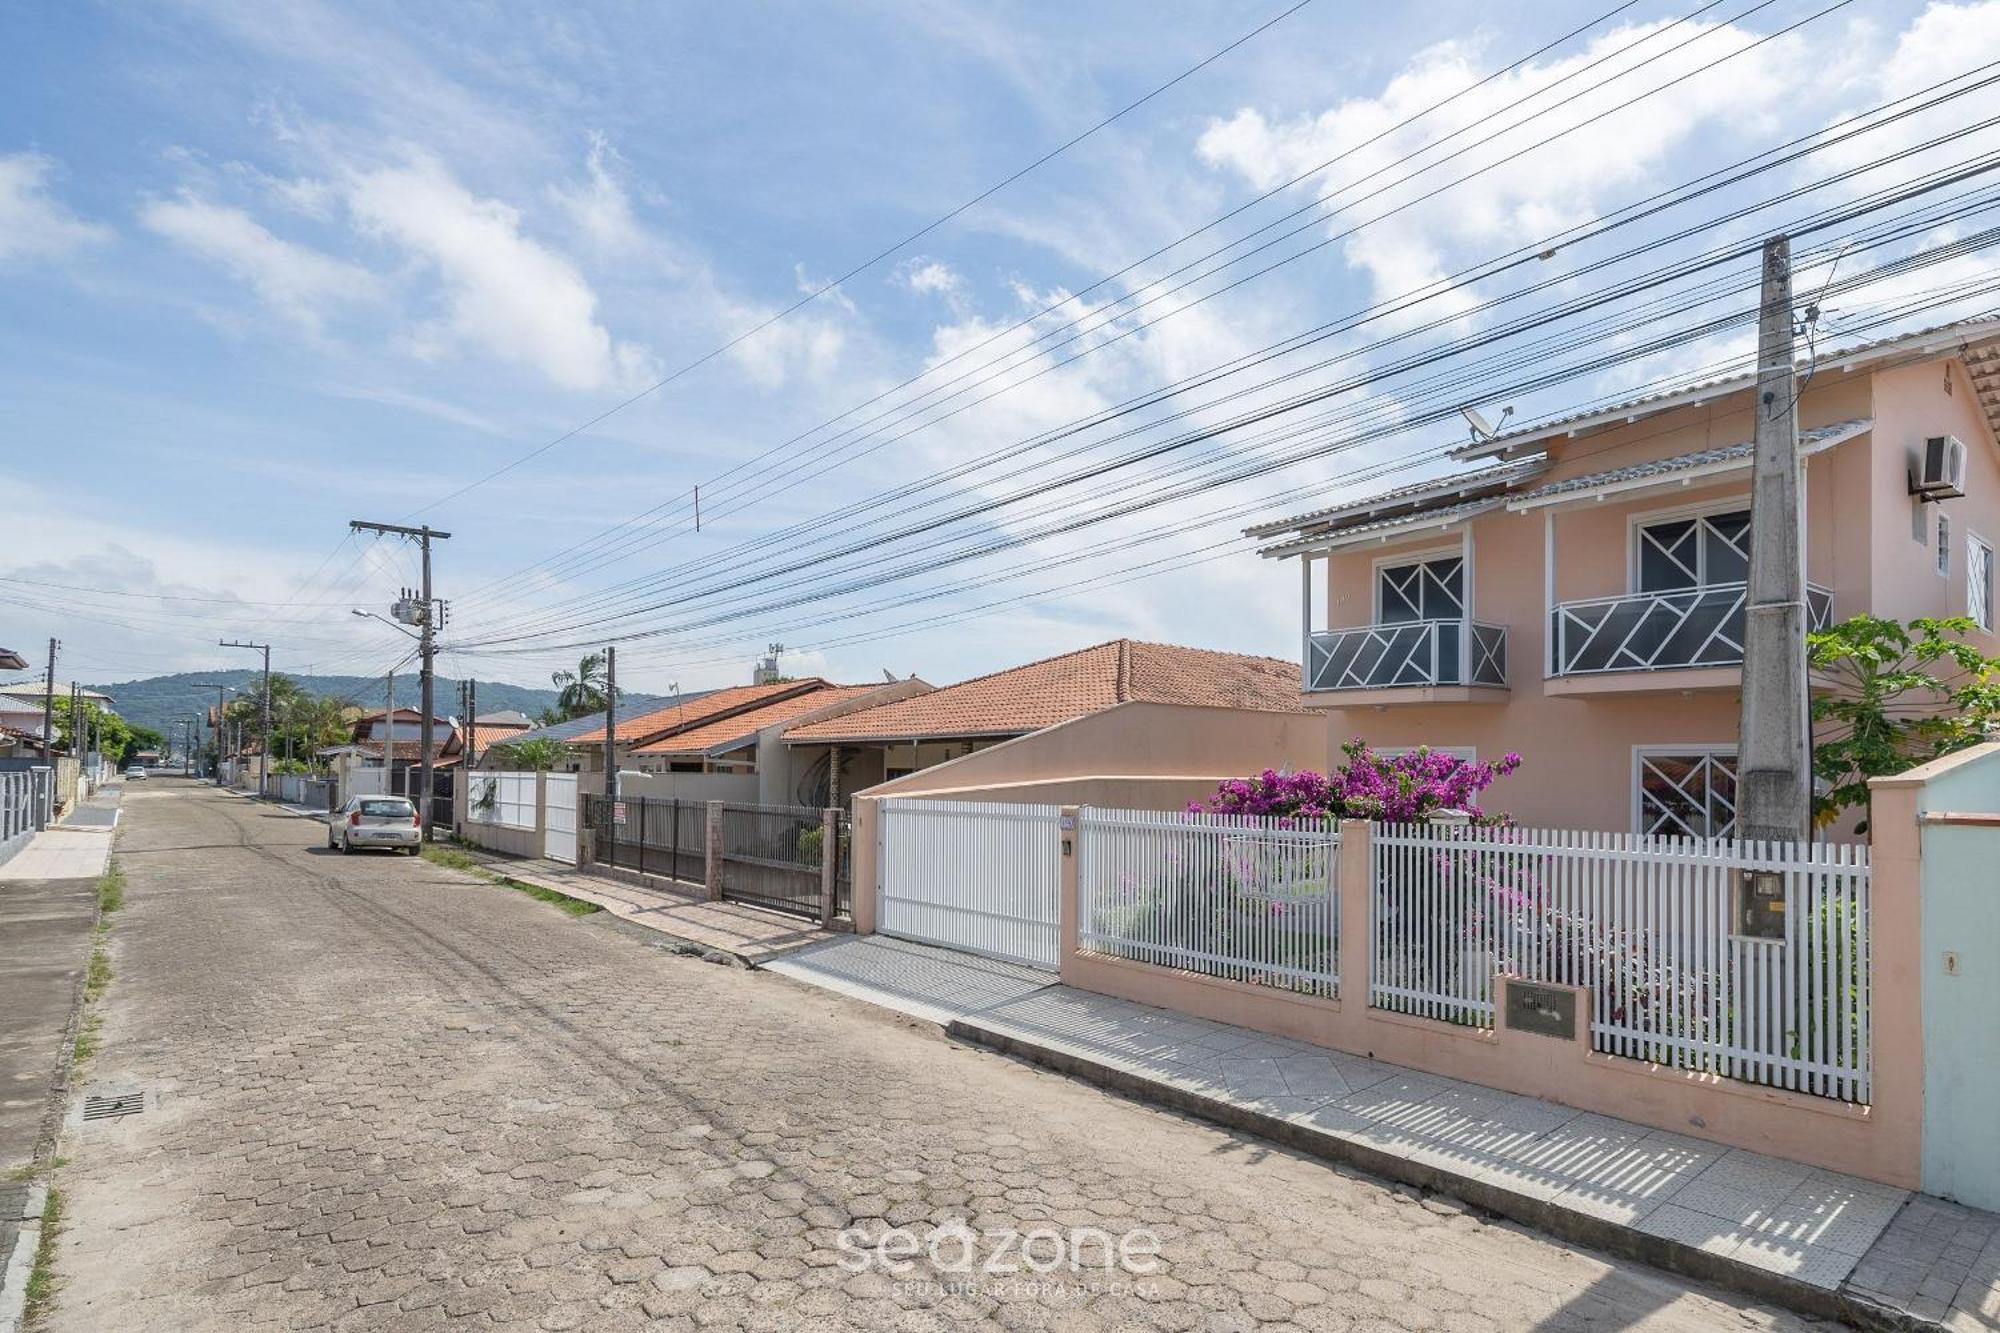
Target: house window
(1423, 590)
(1944, 546)
(1979, 581)
(1686, 792)
(1697, 552)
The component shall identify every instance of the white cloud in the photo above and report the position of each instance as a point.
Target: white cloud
(1606, 153)
(930, 277)
(601, 207)
(505, 292)
(296, 281)
(33, 223)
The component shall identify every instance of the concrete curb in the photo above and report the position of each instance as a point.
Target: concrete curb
(1545, 1217)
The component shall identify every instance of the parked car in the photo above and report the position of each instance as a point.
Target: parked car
(136, 773)
(376, 821)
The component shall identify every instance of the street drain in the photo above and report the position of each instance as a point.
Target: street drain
(113, 1106)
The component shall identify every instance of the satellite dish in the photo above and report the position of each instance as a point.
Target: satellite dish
(1481, 428)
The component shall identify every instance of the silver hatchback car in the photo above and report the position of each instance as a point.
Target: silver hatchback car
(375, 821)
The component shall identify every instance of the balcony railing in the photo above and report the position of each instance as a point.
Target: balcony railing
(1419, 652)
(1658, 631)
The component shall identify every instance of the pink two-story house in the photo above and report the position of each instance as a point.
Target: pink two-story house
(1577, 595)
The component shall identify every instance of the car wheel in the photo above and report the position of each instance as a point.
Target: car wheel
(346, 847)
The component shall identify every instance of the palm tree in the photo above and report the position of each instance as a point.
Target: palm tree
(584, 689)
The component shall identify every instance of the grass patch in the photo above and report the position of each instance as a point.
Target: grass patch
(111, 889)
(451, 858)
(561, 901)
(97, 975)
(89, 1040)
(42, 1277)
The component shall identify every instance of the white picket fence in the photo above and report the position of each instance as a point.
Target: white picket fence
(501, 798)
(1242, 898)
(1646, 925)
(973, 875)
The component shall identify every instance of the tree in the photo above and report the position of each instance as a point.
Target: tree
(540, 754)
(140, 738)
(584, 690)
(1902, 695)
(110, 734)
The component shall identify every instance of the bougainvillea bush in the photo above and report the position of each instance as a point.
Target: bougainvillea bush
(1395, 789)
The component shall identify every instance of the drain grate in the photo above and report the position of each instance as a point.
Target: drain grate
(112, 1106)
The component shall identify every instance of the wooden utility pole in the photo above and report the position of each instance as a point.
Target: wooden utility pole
(1774, 751)
(427, 623)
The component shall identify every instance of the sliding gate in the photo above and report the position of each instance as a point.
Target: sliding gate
(980, 876)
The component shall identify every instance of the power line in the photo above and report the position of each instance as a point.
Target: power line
(872, 261)
(1616, 292)
(1525, 254)
(1540, 376)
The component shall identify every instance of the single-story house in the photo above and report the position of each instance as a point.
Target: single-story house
(643, 727)
(871, 745)
(742, 756)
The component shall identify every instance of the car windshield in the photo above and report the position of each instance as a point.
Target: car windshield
(402, 808)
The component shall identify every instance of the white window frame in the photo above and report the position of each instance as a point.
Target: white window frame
(1943, 545)
(1977, 547)
(1640, 753)
(1456, 549)
(1646, 518)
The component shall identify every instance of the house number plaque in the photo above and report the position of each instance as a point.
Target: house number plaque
(1549, 1011)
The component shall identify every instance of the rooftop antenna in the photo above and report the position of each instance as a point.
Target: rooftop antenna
(1483, 430)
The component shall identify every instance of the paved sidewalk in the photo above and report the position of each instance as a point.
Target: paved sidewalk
(1822, 1242)
(747, 934)
(933, 984)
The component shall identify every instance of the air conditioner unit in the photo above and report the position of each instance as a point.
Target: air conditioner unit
(1937, 472)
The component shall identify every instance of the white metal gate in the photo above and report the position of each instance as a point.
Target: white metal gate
(984, 877)
(559, 817)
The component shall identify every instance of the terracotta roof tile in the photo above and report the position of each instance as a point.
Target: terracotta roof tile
(729, 732)
(695, 712)
(1057, 689)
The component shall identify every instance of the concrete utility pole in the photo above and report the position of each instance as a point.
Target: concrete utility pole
(471, 724)
(49, 707)
(1774, 751)
(221, 728)
(611, 723)
(265, 648)
(428, 623)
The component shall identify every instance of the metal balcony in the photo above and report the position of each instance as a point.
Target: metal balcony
(1413, 653)
(1660, 631)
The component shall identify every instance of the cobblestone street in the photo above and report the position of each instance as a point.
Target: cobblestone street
(390, 1096)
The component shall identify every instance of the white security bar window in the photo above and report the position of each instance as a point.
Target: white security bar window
(1686, 792)
(1427, 590)
(1944, 546)
(1979, 581)
(1693, 552)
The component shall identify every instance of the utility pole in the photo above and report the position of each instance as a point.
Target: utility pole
(388, 731)
(221, 724)
(611, 724)
(427, 622)
(1774, 763)
(264, 648)
(471, 724)
(49, 707)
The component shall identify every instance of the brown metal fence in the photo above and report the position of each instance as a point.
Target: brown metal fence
(771, 857)
(654, 835)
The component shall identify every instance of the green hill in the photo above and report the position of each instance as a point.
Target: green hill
(159, 700)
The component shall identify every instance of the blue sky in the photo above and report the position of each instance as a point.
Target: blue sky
(266, 268)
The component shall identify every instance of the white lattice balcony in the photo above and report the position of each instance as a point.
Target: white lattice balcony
(1413, 653)
(1659, 631)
